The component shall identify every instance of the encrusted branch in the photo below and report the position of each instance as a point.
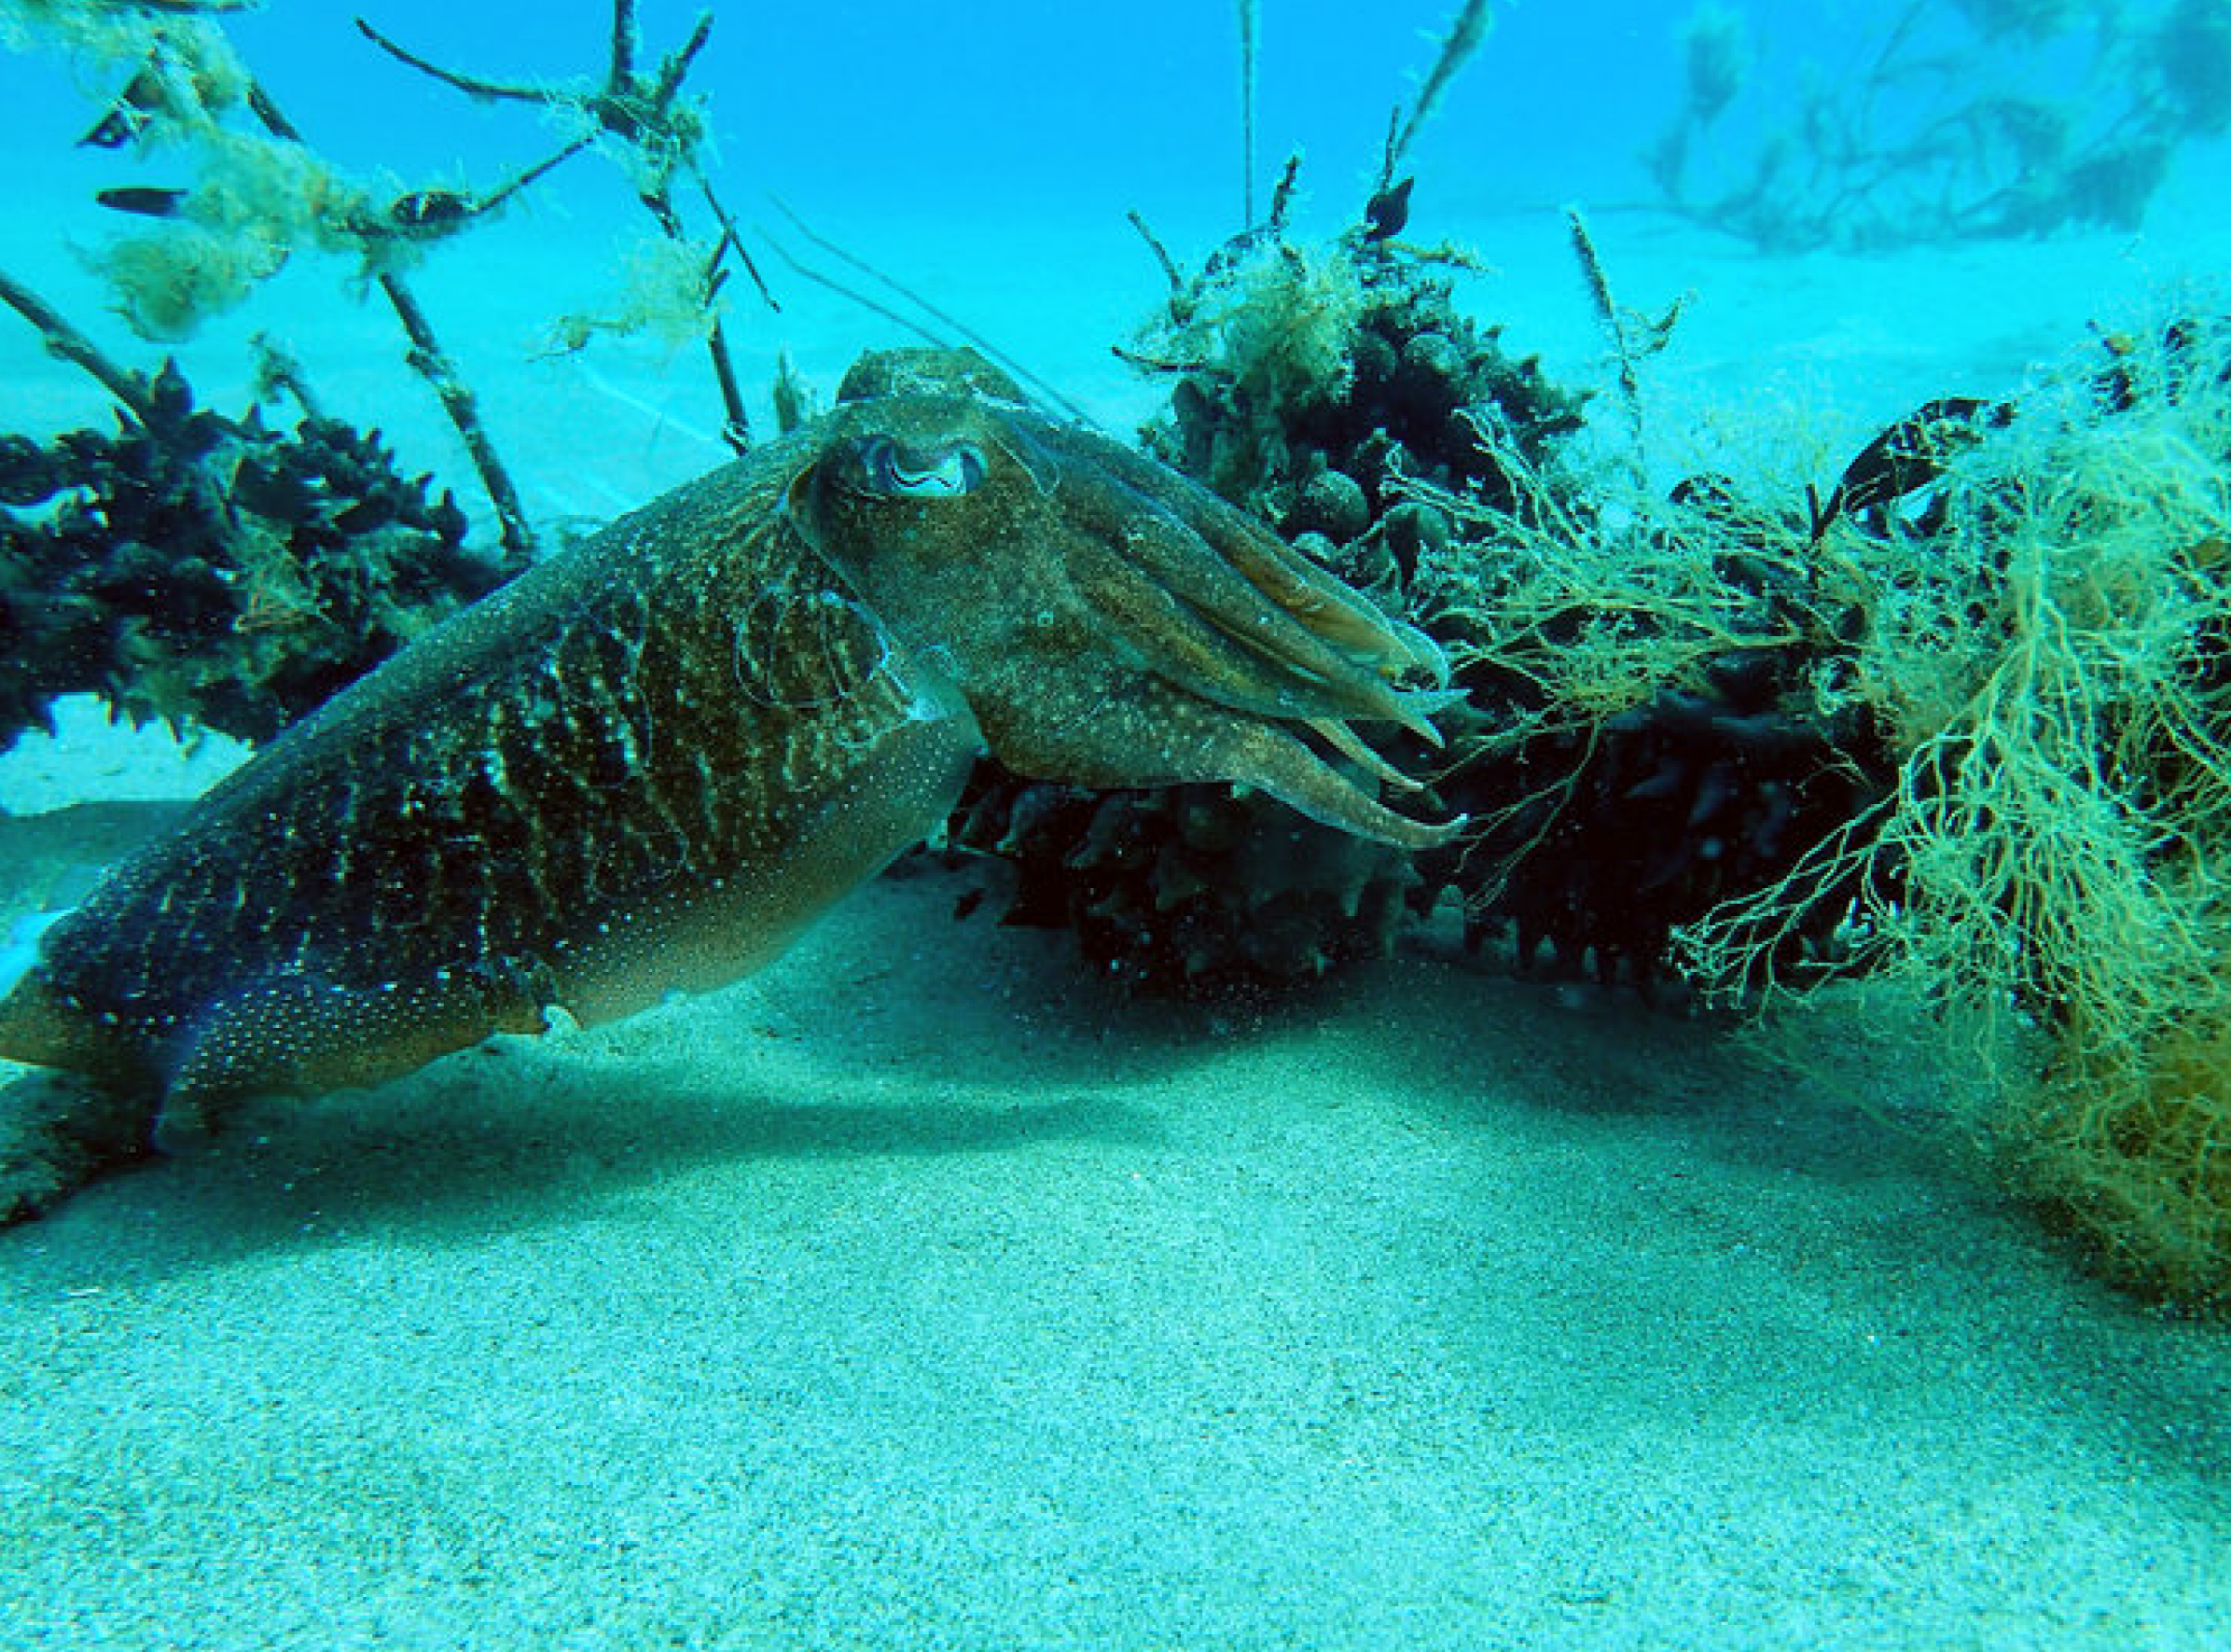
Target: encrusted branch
(429, 361)
(65, 342)
(638, 110)
(672, 72)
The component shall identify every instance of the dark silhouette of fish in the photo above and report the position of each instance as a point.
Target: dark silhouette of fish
(148, 200)
(1906, 457)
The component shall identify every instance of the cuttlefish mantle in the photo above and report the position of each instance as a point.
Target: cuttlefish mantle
(648, 763)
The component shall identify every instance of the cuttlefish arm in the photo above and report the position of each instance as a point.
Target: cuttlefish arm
(1110, 622)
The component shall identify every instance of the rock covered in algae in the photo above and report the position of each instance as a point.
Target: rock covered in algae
(1341, 371)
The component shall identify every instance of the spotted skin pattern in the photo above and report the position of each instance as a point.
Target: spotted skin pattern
(647, 764)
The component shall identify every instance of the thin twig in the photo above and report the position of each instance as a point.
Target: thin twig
(874, 306)
(959, 327)
(1161, 253)
(490, 202)
(731, 237)
(1281, 198)
(1247, 112)
(472, 86)
(1608, 316)
(736, 425)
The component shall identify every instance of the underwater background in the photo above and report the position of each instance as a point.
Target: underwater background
(935, 1286)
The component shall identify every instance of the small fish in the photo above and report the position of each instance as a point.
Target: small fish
(1907, 457)
(147, 200)
(1388, 211)
(129, 116)
(431, 210)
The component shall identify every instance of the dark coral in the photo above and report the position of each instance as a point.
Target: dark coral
(215, 572)
(1600, 842)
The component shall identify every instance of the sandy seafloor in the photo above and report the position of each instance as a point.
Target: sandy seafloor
(924, 1291)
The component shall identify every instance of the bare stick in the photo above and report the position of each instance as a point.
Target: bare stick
(1247, 102)
(473, 86)
(66, 343)
(623, 45)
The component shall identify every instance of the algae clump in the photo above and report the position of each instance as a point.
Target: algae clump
(669, 296)
(1270, 330)
(2051, 649)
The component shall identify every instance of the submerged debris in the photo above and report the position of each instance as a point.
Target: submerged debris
(1939, 122)
(212, 573)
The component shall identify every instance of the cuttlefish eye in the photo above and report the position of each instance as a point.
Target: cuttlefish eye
(903, 470)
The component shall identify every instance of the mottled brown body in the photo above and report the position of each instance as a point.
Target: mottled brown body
(645, 765)
(640, 767)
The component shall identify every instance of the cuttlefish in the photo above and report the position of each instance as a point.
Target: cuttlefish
(645, 765)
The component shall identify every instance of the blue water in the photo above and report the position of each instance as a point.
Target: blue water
(1008, 105)
(926, 1296)
(989, 108)
(911, 130)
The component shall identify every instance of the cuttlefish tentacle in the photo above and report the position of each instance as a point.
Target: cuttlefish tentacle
(1301, 590)
(1155, 734)
(1343, 739)
(1212, 633)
